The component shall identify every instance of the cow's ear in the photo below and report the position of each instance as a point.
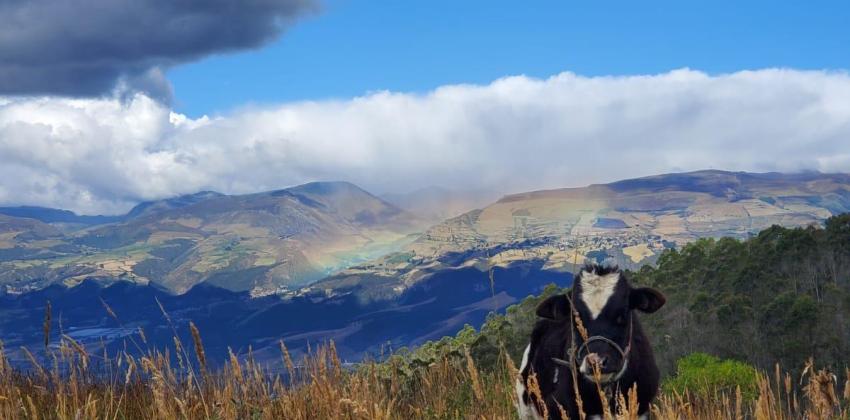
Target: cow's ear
(555, 307)
(646, 299)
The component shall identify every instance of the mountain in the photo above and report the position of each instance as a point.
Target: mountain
(15, 230)
(69, 221)
(438, 204)
(151, 207)
(334, 235)
(631, 221)
(264, 243)
(48, 215)
(331, 261)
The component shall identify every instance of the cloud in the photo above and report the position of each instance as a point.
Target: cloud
(515, 134)
(86, 48)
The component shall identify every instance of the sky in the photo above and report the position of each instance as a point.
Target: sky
(105, 103)
(351, 48)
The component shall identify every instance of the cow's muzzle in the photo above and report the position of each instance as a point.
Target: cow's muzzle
(608, 367)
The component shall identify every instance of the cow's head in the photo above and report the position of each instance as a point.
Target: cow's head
(605, 302)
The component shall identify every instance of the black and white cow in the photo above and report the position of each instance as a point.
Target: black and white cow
(616, 346)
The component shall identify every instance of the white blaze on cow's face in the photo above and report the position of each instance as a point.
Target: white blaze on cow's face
(603, 299)
(596, 290)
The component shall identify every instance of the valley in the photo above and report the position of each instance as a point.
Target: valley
(438, 306)
(331, 261)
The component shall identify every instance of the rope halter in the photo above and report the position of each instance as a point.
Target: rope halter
(573, 353)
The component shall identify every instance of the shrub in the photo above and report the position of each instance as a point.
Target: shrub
(705, 376)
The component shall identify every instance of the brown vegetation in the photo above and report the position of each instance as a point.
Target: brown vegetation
(171, 385)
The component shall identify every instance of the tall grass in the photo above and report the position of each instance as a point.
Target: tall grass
(78, 385)
(177, 383)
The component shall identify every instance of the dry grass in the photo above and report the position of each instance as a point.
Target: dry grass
(165, 386)
(171, 384)
(151, 387)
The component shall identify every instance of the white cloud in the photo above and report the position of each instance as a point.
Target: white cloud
(517, 133)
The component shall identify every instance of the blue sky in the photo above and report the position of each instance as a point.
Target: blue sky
(350, 48)
(398, 95)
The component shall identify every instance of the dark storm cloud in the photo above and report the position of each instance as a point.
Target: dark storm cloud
(86, 47)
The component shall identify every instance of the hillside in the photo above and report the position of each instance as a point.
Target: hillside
(435, 307)
(769, 278)
(781, 296)
(152, 207)
(631, 222)
(57, 217)
(438, 204)
(336, 233)
(264, 242)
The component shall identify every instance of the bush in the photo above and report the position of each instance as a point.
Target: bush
(705, 376)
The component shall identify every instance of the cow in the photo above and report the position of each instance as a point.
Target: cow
(616, 351)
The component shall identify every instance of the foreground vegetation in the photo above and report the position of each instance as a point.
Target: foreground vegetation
(737, 311)
(79, 386)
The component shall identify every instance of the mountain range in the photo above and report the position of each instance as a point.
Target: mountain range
(633, 220)
(263, 243)
(330, 260)
(630, 222)
(330, 235)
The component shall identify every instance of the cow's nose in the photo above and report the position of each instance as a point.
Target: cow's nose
(595, 360)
